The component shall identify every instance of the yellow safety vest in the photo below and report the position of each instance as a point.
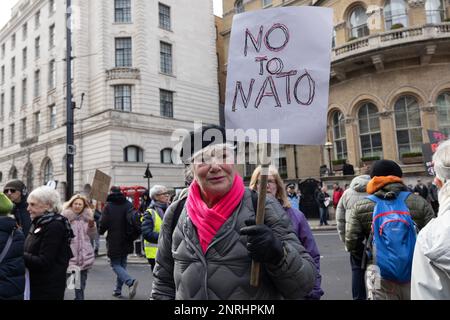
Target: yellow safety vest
(151, 248)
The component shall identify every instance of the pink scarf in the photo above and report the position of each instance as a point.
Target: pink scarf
(209, 220)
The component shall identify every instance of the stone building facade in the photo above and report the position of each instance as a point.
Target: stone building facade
(390, 80)
(141, 69)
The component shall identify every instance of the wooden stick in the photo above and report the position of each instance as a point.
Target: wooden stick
(261, 208)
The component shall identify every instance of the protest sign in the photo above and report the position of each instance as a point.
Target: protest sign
(100, 186)
(428, 149)
(278, 73)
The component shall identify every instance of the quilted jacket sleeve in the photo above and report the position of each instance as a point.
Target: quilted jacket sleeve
(295, 275)
(359, 226)
(163, 286)
(340, 218)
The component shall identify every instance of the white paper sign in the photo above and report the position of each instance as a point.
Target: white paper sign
(278, 73)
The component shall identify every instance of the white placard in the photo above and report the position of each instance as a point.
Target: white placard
(278, 73)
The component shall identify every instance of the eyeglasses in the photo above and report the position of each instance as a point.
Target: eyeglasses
(9, 190)
(269, 181)
(163, 194)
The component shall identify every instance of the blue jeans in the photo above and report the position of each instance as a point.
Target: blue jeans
(323, 215)
(79, 293)
(119, 266)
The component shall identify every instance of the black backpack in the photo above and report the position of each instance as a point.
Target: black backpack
(133, 224)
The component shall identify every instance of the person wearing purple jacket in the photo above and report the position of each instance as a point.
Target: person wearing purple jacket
(275, 187)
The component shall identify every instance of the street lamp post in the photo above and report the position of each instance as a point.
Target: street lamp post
(329, 146)
(148, 175)
(70, 148)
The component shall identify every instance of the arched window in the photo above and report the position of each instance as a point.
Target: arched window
(133, 154)
(395, 13)
(369, 130)
(408, 125)
(340, 142)
(166, 156)
(48, 171)
(13, 173)
(239, 6)
(282, 161)
(29, 176)
(443, 104)
(358, 23)
(435, 11)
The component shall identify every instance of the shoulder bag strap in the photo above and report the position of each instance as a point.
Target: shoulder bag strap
(6, 248)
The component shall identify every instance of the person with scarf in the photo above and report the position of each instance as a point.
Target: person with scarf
(275, 187)
(386, 183)
(152, 220)
(208, 253)
(47, 247)
(430, 276)
(81, 218)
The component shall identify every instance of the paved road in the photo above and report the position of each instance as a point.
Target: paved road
(335, 269)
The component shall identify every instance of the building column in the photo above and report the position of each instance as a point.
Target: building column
(429, 120)
(341, 33)
(309, 166)
(416, 13)
(351, 133)
(388, 136)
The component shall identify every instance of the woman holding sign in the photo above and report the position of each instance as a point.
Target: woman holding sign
(206, 250)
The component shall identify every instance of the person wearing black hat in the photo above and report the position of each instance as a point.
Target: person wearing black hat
(386, 183)
(16, 191)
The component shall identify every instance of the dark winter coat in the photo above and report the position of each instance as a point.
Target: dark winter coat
(183, 271)
(22, 216)
(114, 221)
(47, 255)
(148, 225)
(12, 268)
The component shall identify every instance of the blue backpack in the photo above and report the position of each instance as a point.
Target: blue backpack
(394, 237)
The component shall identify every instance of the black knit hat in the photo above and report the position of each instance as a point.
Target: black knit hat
(385, 168)
(16, 185)
(207, 135)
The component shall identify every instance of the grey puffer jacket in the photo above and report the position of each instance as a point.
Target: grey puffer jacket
(356, 192)
(183, 272)
(360, 221)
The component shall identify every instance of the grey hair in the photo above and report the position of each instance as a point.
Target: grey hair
(48, 196)
(157, 189)
(441, 161)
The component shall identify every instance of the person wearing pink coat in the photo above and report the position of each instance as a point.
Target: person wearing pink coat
(81, 219)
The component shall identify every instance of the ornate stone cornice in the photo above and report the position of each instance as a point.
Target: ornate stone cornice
(386, 114)
(340, 25)
(349, 120)
(416, 3)
(429, 109)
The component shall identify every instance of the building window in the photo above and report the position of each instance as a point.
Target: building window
(369, 131)
(24, 91)
(52, 118)
(164, 16)
(435, 11)
(2, 138)
(123, 52)
(37, 20)
(13, 100)
(122, 98)
(24, 128)
(48, 171)
(13, 173)
(122, 11)
(51, 74)
(166, 156)
(2, 105)
(29, 174)
(443, 104)
(37, 123)
(24, 31)
(395, 14)
(266, 3)
(358, 23)
(37, 83)
(239, 6)
(166, 57)
(408, 125)
(13, 41)
(133, 154)
(51, 36)
(24, 58)
(3, 50)
(37, 47)
(339, 137)
(3, 75)
(166, 103)
(51, 7)
(282, 161)
(13, 66)
(333, 38)
(12, 137)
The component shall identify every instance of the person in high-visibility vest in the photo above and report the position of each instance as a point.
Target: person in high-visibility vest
(152, 221)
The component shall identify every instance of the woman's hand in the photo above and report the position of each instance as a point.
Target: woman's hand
(262, 244)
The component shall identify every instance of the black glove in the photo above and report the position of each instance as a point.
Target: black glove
(262, 244)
